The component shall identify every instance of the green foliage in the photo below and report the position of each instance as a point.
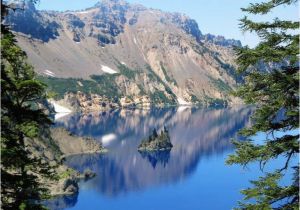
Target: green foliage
(153, 77)
(127, 72)
(142, 90)
(195, 100)
(216, 102)
(222, 86)
(200, 48)
(229, 69)
(67, 173)
(106, 85)
(159, 96)
(156, 142)
(169, 79)
(276, 95)
(22, 118)
(101, 84)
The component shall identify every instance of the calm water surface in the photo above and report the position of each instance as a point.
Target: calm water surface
(192, 176)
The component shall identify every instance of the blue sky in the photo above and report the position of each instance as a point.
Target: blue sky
(218, 17)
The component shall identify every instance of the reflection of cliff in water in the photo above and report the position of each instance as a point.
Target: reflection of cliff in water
(195, 134)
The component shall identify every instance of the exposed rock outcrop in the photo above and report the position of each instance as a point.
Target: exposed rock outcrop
(88, 102)
(70, 144)
(221, 40)
(137, 101)
(93, 102)
(161, 54)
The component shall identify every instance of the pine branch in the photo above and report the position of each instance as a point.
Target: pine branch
(265, 7)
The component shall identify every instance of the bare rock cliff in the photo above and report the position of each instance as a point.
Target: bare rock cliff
(136, 51)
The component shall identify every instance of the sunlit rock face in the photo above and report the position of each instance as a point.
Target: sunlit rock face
(196, 134)
(167, 54)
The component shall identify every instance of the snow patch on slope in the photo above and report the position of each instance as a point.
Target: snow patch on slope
(57, 116)
(108, 70)
(84, 12)
(182, 108)
(49, 73)
(181, 101)
(61, 111)
(58, 108)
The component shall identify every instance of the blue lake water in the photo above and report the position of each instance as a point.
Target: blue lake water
(192, 176)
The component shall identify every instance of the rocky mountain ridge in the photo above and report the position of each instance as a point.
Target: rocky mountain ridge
(129, 51)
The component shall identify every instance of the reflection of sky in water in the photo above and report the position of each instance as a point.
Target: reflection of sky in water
(191, 176)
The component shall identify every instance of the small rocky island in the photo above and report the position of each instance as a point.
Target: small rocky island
(156, 142)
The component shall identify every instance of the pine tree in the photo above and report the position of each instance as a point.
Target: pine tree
(22, 118)
(276, 95)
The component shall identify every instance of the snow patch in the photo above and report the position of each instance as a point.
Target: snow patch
(123, 63)
(57, 116)
(182, 108)
(79, 83)
(134, 40)
(108, 70)
(108, 138)
(84, 12)
(58, 108)
(49, 73)
(61, 111)
(181, 101)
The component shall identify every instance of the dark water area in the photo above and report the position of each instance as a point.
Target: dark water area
(192, 176)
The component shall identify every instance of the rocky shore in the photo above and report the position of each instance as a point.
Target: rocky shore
(82, 102)
(52, 148)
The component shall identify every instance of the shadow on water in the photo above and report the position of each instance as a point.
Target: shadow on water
(197, 134)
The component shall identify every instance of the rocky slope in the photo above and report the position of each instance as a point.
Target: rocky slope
(70, 144)
(50, 148)
(133, 50)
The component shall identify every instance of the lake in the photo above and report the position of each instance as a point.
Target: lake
(192, 176)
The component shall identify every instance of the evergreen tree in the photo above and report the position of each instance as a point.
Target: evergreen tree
(276, 96)
(22, 118)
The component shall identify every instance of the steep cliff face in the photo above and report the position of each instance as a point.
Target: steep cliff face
(139, 51)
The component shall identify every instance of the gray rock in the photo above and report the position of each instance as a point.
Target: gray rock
(88, 174)
(70, 186)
